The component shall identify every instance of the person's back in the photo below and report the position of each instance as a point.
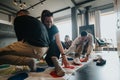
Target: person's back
(31, 30)
(33, 42)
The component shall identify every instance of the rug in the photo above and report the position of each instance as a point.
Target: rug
(7, 70)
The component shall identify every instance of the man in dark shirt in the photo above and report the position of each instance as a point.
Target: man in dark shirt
(33, 42)
(55, 48)
(31, 30)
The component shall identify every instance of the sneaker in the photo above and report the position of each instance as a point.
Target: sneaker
(58, 69)
(32, 65)
(101, 62)
(76, 61)
(98, 57)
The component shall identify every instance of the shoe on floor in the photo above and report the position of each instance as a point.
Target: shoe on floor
(76, 61)
(101, 62)
(98, 57)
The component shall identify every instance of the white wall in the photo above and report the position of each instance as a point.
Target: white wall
(3, 17)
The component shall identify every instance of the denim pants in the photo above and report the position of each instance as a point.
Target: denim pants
(20, 53)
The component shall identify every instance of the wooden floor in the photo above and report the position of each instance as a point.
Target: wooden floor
(110, 71)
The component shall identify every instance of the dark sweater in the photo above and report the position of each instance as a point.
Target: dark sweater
(31, 30)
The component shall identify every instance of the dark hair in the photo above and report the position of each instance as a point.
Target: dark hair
(23, 10)
(66, 35)
(45, 13)
(83, 33)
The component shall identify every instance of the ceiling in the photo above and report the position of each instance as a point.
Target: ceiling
(61, 8)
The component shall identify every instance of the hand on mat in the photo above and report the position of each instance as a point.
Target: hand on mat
(65, 61)
(70, 67)
(84, 59)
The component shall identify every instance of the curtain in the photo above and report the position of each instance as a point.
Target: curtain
(81, 20)
(94, 18)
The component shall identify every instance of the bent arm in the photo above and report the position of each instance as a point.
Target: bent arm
(64, 59)
(58, 42)
(90, 45)
(73, 46)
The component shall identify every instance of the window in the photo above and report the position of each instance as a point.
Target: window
(5, 22)
(65, 28)
(108, 26)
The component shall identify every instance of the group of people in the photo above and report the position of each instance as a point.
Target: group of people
(37, 38)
